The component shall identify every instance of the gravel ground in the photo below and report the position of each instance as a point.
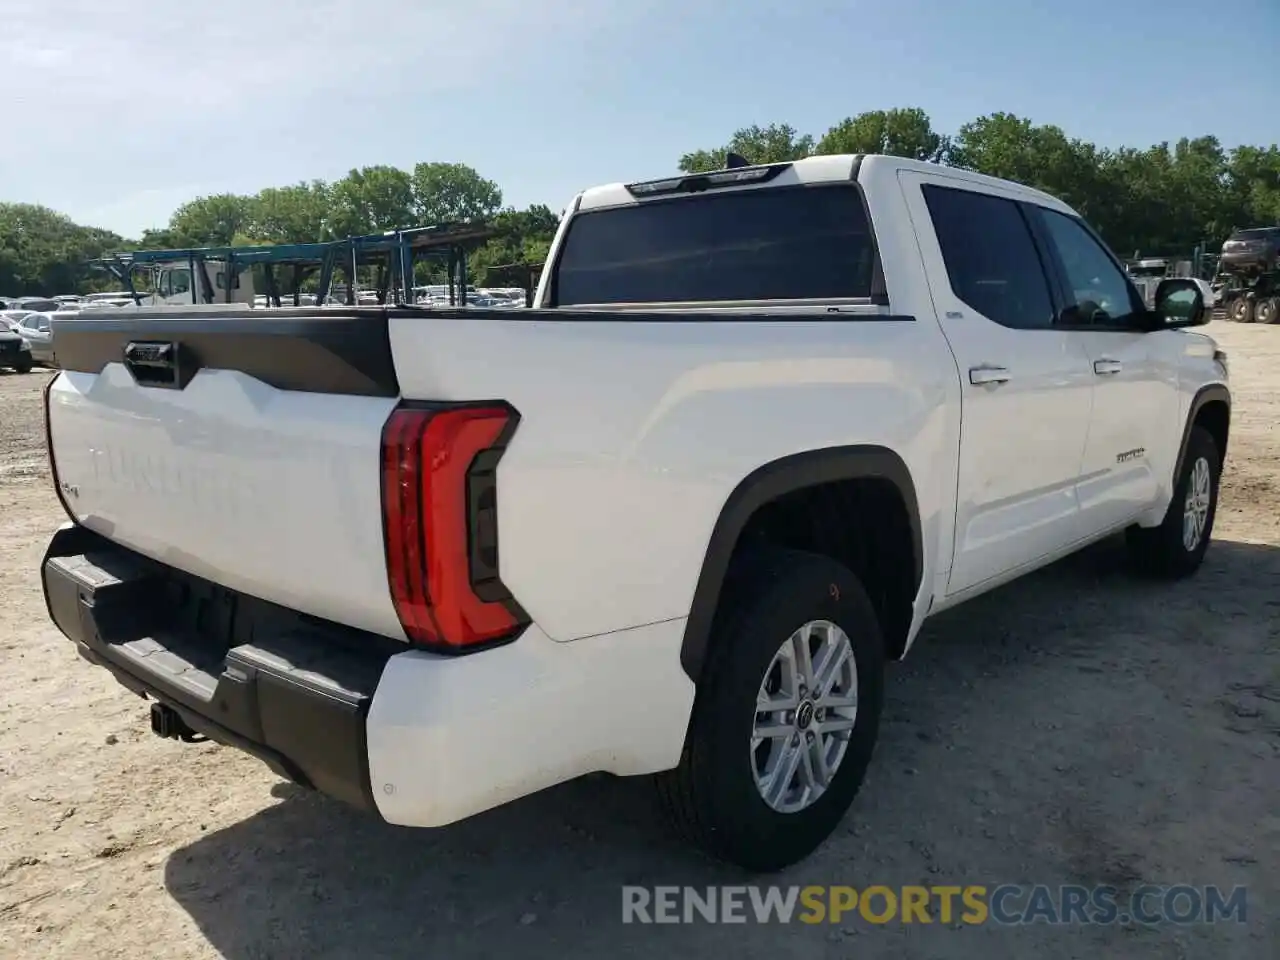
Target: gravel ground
(1079, 726)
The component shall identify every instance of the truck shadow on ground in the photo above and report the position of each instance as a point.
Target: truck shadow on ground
(988, 749)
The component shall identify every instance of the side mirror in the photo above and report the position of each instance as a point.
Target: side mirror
(1179, 302)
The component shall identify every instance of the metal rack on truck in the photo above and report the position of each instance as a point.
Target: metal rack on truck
(225, 275)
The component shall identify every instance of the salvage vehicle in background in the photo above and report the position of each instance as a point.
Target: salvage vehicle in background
(1250, 267)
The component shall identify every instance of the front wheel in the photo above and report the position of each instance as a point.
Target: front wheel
(24, 365)
(1176, 548)
(787, 714)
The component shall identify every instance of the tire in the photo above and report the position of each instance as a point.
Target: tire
(1167, 551)
(1268, 311)
(712, 797)
(23, 366)
(1241, 310)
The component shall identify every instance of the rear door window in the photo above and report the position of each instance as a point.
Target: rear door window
(992, 261)
(787, 243)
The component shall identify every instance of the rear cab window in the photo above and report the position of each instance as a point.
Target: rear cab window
(765, 243)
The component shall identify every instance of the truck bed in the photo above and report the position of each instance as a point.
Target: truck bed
(258, 467)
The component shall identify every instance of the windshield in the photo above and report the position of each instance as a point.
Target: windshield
(40, 306)
(763, 244)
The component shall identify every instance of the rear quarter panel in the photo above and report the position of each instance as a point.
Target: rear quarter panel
(635, 432)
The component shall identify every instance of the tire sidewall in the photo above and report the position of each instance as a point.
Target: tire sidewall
(1200, 445)
(808, 588)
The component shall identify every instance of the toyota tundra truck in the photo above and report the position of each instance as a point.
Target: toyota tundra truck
(673, 521)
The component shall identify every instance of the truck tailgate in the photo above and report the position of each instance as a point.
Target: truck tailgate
(241, 448)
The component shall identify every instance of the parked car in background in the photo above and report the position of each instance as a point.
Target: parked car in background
(36, 304)
(15, 351)
(107, 295)
(1256, 250)
(35, 329)
(106, 304)
(10, 318)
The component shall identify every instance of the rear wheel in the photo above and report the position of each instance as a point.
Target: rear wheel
(1268, 311)
(787, 714)
(1241, 310)
(1176, 548)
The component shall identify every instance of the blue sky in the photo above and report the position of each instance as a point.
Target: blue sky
(116, 115)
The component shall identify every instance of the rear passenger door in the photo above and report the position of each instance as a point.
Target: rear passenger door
(1026, 385)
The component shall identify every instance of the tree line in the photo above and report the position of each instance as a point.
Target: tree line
(1164, 199)
(1159, 200)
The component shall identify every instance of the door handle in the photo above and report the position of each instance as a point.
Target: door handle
(1105, 368)
(984, 374)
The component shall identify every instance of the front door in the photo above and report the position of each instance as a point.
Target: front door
(1135, 400)
(1027, 386)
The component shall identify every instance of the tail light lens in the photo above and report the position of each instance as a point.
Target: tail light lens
(439, 511)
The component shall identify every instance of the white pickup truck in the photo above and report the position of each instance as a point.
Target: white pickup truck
(674, 520)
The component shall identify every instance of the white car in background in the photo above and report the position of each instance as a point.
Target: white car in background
(36, 329)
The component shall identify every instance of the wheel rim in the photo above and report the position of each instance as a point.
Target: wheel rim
(1195, 512)
(805, 712)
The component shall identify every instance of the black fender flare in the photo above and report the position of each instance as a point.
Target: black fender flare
(769, 482)
(1211, 393)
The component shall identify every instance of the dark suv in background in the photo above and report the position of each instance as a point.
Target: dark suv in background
(1256, 250)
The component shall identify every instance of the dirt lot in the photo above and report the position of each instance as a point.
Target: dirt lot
(1077, 727)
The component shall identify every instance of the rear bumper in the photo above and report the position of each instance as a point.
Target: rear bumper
(417, 738)
(293, 692)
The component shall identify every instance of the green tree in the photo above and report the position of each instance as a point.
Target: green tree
(453, 193)
(296, 214)
(369, 200)
(1013, 148)
(43, 252)
(899, 132)
(210, 221)
(524, 236)
(1252, 186)
(775, 143)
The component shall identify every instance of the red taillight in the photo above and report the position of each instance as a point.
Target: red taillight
(439, 524)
